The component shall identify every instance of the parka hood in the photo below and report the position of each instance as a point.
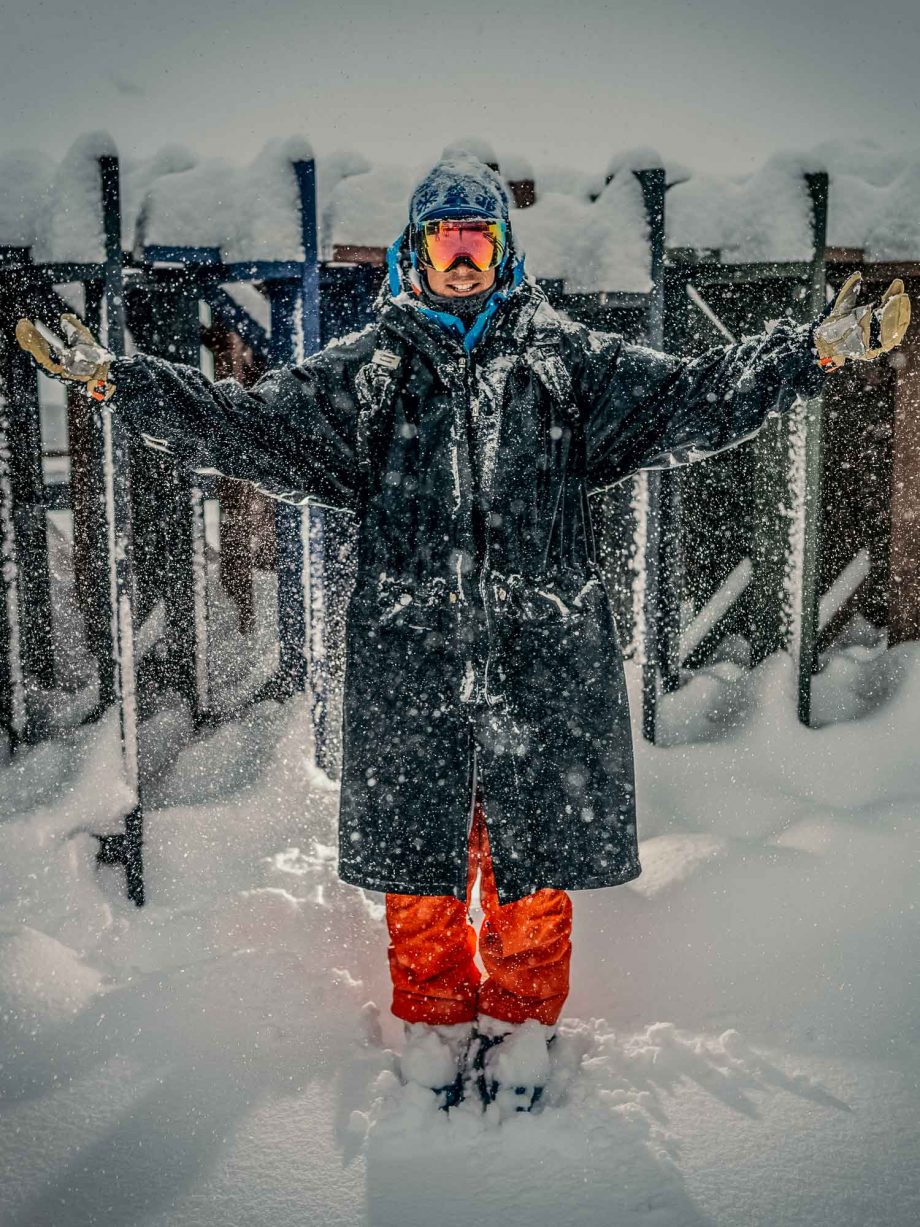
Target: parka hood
(403, 290)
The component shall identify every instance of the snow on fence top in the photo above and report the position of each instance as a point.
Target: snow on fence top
(588, 231)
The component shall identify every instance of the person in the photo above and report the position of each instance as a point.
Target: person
(486, 725)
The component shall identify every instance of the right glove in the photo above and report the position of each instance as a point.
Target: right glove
(860, 334)
(78, 358)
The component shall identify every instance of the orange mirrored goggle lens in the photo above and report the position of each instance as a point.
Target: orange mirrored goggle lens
(441, 243)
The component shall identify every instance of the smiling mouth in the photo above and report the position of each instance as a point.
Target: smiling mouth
(462, 279)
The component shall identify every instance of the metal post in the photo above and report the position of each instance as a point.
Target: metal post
(301, 532)
(807, 656)
(13, 709)
(125, 848)
(309, 292)
(90, 524)
(657, 502)
(768, 629)
(185, 578)
(289, 521)
(29, 526)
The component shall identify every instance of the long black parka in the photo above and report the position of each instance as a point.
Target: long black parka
(480, 643)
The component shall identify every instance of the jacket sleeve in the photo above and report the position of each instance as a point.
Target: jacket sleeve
(646, 409)
(293, 435)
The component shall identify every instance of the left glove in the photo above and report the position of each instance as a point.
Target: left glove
(860, 333)
(78, 358)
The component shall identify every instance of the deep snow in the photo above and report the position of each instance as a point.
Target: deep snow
(739, 1049)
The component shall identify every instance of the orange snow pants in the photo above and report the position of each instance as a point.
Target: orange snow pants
(525, 948)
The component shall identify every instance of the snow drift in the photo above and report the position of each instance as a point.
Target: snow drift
(739, 1048)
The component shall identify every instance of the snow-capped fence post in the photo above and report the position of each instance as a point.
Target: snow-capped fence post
(784, 593)
(300, 531)
(309, 293)
(805, 571)
(288, 345)
(126, 847)
(656, 502)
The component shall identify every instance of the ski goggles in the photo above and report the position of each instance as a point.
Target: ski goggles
(439, 244)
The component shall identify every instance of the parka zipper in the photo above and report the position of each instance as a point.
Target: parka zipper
(466, 366)
(470, 436)
(474, 793)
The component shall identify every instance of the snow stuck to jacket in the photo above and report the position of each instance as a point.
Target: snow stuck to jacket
(591, 236)
(739, 1048)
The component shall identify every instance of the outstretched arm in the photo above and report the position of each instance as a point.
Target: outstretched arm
(646, 409)
(293, 434)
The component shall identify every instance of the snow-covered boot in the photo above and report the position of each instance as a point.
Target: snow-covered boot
(510, 1064)
(481, 1063)
(436, 1057)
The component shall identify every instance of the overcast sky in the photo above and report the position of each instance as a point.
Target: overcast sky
(718, 84)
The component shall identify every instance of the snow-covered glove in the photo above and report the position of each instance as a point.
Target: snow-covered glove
(860, 333)
(78, 358)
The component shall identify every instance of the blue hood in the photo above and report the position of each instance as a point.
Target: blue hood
(404, 285)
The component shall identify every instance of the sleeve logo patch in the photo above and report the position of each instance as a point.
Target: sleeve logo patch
(386, 359)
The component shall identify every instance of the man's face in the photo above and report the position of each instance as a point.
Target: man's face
(460, 281)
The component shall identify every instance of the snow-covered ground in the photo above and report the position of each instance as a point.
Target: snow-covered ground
(739, 1049)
